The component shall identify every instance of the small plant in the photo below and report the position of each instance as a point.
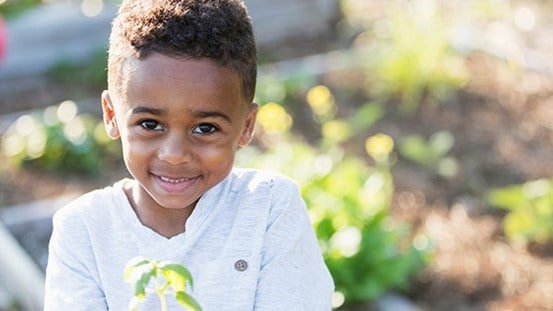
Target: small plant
(168, 278)
(431, 153)
(530, 207)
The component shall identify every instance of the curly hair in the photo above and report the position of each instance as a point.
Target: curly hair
(220, 30)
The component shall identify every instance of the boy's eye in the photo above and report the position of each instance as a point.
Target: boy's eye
(204, 129)
(151, 125)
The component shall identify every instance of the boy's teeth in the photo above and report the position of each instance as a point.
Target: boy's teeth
(172, 180)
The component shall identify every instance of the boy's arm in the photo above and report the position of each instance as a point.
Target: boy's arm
(293, 274)
(69, 284)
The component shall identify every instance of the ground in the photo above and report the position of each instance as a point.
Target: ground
(503, 136)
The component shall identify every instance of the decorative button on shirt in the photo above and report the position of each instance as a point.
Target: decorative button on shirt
(241, 265)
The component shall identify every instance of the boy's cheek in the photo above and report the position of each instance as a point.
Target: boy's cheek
(138, 146)
(216, 152)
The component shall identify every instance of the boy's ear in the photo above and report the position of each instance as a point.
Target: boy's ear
(249, 126)
(110, 121)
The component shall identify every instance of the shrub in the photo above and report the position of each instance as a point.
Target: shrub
(58, 140)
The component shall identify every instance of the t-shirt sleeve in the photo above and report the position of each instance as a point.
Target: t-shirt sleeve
(70, 281)
(293, 274)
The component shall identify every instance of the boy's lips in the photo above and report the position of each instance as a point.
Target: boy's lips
(175, 184)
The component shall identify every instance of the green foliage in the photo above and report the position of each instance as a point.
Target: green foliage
(431, 153)
(362, 247)
(11, 8)
(93, 73)
(166, 277)
(414, 58)
(530, 207)
(59, 140)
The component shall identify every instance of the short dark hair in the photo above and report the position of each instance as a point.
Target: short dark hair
(220, 30)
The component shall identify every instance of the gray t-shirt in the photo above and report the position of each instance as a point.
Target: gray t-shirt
(249, 245)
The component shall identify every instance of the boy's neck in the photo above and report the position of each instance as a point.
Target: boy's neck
(166, 222)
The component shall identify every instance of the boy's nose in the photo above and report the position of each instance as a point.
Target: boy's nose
(175, 150)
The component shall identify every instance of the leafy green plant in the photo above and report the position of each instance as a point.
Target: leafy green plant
(60, 140)
(162, 278)
(431, 153)
(530, 207)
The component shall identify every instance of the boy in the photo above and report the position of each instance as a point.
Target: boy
(181, 81)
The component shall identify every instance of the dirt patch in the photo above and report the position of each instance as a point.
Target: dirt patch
(503, 136)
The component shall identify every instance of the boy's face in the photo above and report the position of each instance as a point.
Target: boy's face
(180, 122)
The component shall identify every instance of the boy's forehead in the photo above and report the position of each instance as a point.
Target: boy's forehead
(157, 66)
(186, 69)
(158, 73)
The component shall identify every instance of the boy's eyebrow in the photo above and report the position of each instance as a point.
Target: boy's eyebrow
(153, 111)
(197, 114)
(212, 114)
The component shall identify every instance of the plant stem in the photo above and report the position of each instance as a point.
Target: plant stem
(162, 300)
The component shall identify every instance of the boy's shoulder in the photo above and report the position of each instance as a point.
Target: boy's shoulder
(91, 204)
(254, 178)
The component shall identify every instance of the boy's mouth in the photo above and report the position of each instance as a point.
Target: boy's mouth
(175, 184)
(175, 180)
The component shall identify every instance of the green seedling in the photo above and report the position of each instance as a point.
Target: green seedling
(162, 278)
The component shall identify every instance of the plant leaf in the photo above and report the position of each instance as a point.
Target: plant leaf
(416, 149)
(131, 266)
(366, 116)
(187, 301)
(176, 275)
(507, 197)
(441, 143)
(142, 283)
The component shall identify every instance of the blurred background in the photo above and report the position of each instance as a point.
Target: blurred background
(420, 132)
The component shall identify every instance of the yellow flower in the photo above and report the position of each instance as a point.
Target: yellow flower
(379, 146)
(321, 101)
(273, 118)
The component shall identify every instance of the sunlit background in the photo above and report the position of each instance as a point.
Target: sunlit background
(419, 131)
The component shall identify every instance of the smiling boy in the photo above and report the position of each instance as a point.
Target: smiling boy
(181, 81)
(180, 124)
